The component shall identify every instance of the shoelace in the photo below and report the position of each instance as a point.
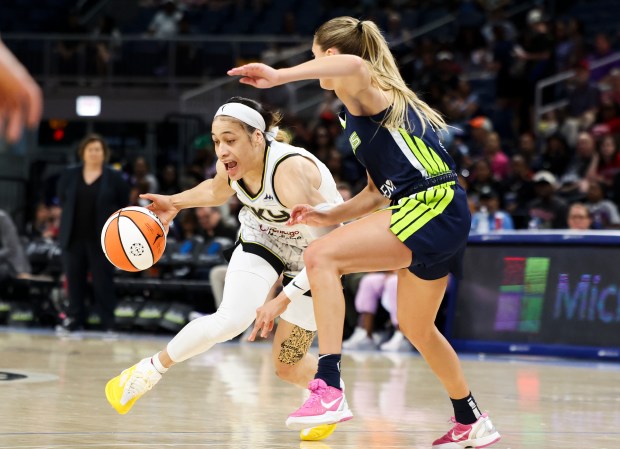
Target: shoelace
(315, 392)
(138, 384)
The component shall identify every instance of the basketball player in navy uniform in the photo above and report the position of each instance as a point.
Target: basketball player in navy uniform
(269, 177)
(420, 227)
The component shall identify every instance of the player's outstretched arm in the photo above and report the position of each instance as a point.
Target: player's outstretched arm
(212, 192)
(364, 203)
(351, 67)
(336, 66)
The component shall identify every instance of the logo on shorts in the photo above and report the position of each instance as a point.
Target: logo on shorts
(388, 188)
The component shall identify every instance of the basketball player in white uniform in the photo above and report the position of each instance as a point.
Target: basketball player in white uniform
(269, 177)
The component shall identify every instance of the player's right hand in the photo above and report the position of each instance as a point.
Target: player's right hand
(266, 315)
(308, 215)
(161, 205)
(257, 75)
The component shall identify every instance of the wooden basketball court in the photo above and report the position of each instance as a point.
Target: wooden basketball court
(52, 391)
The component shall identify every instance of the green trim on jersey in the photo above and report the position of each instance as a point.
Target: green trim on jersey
(429, 159)
(412, 213)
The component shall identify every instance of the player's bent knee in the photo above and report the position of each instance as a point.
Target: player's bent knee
(221, 327)
(316, 255)
(295, 346)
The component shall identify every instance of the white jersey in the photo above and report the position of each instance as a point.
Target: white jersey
(263, 217)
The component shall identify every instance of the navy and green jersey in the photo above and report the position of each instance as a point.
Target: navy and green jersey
(400, 163)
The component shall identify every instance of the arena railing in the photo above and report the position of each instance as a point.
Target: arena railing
(137, 60)
(541, 109)
(213, 93)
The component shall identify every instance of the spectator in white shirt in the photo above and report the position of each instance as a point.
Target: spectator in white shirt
(165, 23)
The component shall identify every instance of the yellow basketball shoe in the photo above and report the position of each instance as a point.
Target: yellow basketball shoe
(317, 433)
(124, 390)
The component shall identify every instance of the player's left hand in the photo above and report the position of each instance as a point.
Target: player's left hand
(20, 97)
(266, 314)
(256, 74)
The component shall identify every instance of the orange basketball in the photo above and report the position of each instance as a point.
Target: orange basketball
(133, 238)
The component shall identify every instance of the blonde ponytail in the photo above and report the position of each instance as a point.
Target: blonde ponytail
(364, 39)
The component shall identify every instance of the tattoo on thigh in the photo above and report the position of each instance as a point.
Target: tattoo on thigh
(293, 349)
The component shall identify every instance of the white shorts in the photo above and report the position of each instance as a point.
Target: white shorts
(299, 312)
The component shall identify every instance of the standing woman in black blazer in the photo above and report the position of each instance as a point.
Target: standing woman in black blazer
(89, 193)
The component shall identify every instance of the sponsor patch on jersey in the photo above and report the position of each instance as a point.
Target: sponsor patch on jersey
(282, 233)
(354, 140)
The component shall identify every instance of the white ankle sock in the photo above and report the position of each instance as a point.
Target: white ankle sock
(157, 364)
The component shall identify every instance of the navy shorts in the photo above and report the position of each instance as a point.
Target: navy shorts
(434, 224)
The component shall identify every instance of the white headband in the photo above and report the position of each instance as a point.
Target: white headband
(247, 115)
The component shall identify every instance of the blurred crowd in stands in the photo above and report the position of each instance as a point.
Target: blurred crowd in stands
(522, 169)
(481, 74)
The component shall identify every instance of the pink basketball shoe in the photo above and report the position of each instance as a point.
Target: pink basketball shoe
(482, 433)
(326, 405)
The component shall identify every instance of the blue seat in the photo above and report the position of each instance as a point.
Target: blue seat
(308, 17)
(212, 21)
(240, 22)
(409, 19)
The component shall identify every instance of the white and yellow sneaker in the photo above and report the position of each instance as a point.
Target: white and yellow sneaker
(124, 390)
(317, 433)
